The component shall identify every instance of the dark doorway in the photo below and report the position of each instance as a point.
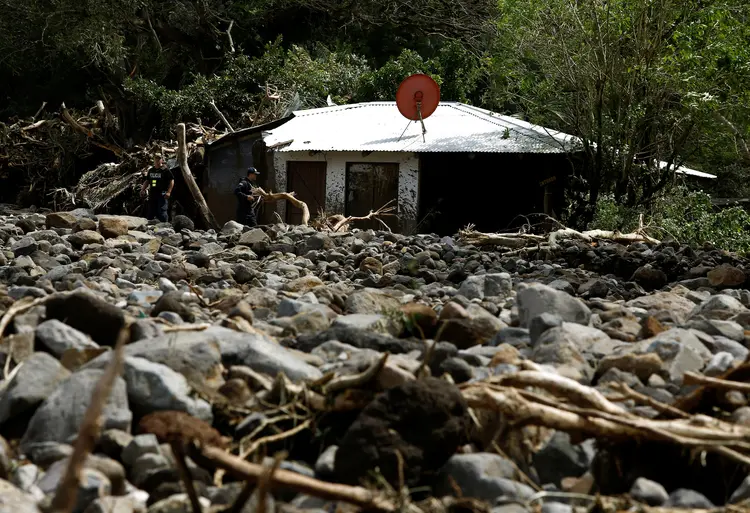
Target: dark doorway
(369, 187)
(493, 191)
(308, 180)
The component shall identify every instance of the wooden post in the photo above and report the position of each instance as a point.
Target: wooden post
(182, 158)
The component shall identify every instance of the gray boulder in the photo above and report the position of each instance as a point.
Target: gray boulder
(35, 381)
(60, 415)
(536, 299)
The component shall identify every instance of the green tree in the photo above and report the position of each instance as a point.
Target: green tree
(627, 76)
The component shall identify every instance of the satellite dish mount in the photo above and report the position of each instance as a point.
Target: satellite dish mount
(417, 98)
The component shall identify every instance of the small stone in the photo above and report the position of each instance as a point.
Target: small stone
(324, 466)
(140, 445)
(181, 222)
(684, 498)
(648, 492)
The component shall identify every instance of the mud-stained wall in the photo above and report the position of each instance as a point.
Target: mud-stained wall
(408, 180)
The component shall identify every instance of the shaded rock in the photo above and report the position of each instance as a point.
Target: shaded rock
(88, 314)
(25, 246)
(465, 333)
(154, 386)
(726, 275)
(425, 421)
(173, 302)
(84, 224)
(684, 498)
(483, 476)
(560, 459)
(58, 337)
(36, 380)
(181, 222)
(650, 278)
(82, 238)
(60, 220)
(60, 415)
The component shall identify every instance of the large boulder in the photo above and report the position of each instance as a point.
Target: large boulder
(60, 415)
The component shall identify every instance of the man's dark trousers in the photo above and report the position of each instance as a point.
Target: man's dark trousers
(157, 206)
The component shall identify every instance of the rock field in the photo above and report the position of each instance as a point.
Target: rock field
(360, 354)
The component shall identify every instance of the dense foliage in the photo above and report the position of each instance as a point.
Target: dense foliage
(641, 81)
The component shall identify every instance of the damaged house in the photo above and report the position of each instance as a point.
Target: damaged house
(471, 166)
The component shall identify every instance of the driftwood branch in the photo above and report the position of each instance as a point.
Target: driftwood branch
(521, 241)
(241, 469)
(570, 406)
(288, 196)
(386, 210)
(182, 154)
(75, 125)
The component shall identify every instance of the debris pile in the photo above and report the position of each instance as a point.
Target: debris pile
(284, 368)
(71, 159)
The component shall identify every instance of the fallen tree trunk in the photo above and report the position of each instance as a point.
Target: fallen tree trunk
(205, 212)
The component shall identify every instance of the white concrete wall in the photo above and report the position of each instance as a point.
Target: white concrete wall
(408, 179)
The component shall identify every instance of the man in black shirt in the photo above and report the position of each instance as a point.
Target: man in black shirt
(159, 182)
(246, 201)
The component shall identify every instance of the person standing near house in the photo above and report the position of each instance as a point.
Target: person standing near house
(246, 201)
(158, 185)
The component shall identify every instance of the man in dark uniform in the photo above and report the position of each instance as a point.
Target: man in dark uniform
(158, 183)
(246, 202)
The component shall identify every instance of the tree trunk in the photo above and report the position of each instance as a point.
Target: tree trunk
(206, 216)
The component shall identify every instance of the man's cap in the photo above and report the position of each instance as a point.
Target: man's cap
(253, 170)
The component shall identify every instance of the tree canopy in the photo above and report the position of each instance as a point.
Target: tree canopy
(641, 81)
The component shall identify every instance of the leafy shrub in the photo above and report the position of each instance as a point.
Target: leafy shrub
(683, 215)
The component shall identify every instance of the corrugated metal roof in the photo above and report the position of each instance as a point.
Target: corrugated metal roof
(378, 126)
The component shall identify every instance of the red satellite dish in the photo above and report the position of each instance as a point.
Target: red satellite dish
(417, 97)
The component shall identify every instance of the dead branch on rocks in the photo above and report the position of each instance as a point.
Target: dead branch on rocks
(340, 223)
(288, 196)
(241, 469)
(570, 406)
(521, 241)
